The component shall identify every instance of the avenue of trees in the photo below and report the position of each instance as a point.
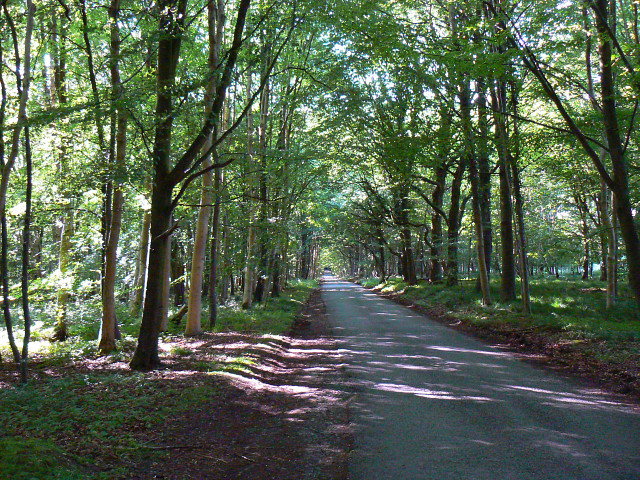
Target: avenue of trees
(182, 155)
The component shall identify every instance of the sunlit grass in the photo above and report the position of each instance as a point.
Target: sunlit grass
(573, 306)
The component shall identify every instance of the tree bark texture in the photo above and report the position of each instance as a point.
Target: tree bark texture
(108, 328)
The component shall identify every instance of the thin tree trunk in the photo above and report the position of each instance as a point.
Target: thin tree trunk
(249, 272)
(610, 245)
(215, 246)
(470, 159)
(508, 274)
(109, 328)
(23, 82)
(453, 226)
(522, 244)
(25, 259)
(484, 176)
(137, 296)
(435, 248)
(215, 14)
(60, 332)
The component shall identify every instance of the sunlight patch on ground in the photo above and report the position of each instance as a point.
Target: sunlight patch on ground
(258, 385)
(468, 350)
(427, 393)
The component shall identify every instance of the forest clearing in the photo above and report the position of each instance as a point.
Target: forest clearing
(177, 176)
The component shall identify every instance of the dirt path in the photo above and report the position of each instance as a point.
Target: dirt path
(432, 403)
(282, 419)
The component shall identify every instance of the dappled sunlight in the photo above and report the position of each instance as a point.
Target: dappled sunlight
(420, 386)
(427, 393)
(255, 384)
(489, 353)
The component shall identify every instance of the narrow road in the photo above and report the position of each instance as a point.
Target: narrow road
(432, 403)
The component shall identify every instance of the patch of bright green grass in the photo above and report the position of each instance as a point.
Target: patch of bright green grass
(241, 364)
(369, 282)
(275, 317)
(575, 308)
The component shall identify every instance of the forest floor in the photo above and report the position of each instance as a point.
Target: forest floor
(225, 406)
(568, 331)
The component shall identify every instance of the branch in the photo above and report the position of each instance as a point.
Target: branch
(426, 198)
(531, 62)
(166, 233)
(195, 175)
(180, 171)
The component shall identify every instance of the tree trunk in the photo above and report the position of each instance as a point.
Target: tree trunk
(470, 159)
(263, 224)
(171, 27)
(61, 328)
(25, 259)
(453, 226)
(139, 284)
(213, 257)
(484, 177)
(227, 276)
(249, 272)
(60, 331)
(155, 306)
(146, 354)
(522, 244)
(508, 274)
(23, 81)
(610, 245)
(215, 14)
(108, 328)
(620, 187)
(508, 287)
(435, 248)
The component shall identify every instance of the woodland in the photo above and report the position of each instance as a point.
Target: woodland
(173, 167)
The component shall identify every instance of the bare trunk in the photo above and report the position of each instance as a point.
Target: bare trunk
(250, 267)
(470, 159)
(215, 15)
(508, 274)
(624, 206)
(155, 306)
(194, 312)
(484, 176)
(435, 249)
(137, 296)
(25, 260)
(215, 243)
(61, 328)
(171, 28)
(108, 328)
(23, 82)
(610, 245)
(522, 244)
(453, 226)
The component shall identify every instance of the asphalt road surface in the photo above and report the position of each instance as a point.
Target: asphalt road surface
(431, 403)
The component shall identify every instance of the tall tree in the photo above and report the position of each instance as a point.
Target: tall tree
(166, 178)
